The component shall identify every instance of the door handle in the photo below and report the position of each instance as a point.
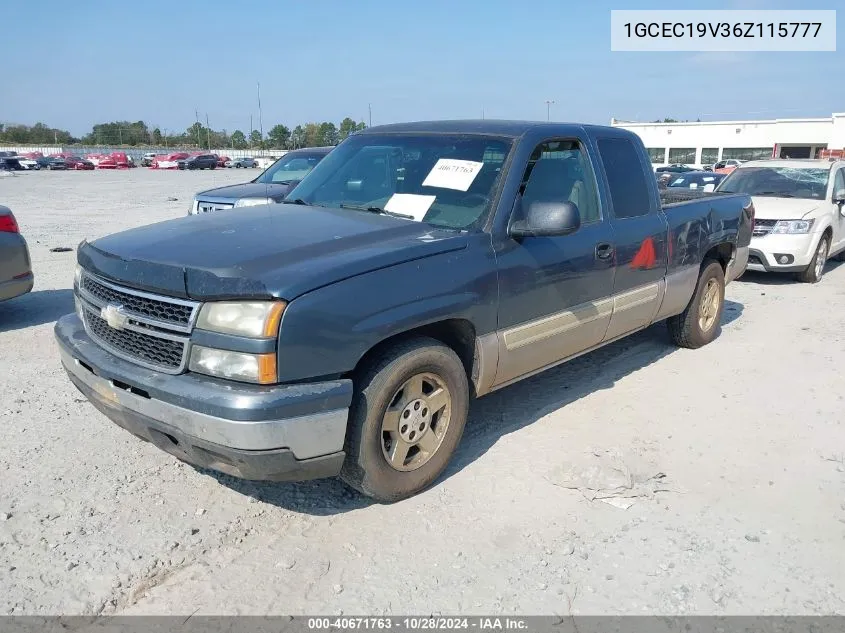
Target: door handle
(604, 251)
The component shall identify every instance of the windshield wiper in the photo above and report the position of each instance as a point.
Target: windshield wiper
(777, 194)
(378, 210)
(295, 201)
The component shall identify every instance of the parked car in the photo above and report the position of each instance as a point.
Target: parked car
(28, 163)
(147, 159)
(168, 161)
(79, 163)
(51, 163)
(265, 161)
(16, 276)
(199, 161)
(270, 186)
(115, 160)
(11, 163)
(726, 166)
(800, 221)
(675, 169)
(246, 162)
(222, 160)
(695, 180)
(344, 331)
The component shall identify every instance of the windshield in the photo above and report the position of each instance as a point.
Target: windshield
(779, 182)
(693, 181)
(444, 180)
(290, 167)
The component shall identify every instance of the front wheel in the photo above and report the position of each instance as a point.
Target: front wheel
(407, 417)
(813, 272)
(698, 324)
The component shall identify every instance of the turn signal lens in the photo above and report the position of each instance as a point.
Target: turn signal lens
(256, 368)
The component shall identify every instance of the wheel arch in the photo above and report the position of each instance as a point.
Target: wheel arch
(458, 334)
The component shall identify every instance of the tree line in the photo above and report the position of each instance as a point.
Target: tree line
(139, 134)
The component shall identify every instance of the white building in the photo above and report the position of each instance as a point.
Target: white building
(706, 142)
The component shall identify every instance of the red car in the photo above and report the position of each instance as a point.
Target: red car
(115, 160)
(76, 162)
(168, 161)
(222, 160)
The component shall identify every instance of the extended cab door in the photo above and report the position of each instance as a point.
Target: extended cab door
(640, 230)
(554, 292)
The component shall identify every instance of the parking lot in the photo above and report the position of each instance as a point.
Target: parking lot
(722, 470)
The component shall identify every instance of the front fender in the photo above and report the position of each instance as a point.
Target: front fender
(327, 331)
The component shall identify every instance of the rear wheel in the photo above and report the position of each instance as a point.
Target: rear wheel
(699, 323)
(407, 417)
(815, 270)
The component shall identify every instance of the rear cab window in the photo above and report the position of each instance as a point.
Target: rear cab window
(626, 180)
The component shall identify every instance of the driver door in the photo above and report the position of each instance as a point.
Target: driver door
(555, 292)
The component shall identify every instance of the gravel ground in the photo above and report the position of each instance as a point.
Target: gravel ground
(730, 461)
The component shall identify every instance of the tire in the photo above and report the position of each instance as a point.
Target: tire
(814, 272)
(404, 378)
(238, 165)
(699, 323)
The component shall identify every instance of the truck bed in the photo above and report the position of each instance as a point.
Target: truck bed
(672, 196)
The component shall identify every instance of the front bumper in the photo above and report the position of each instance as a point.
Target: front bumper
(274, 433)
(766, 249)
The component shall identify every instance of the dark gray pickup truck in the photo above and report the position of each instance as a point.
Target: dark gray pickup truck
(345, 331)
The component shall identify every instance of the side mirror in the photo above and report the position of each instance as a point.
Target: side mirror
(839, 196)
(548, 219)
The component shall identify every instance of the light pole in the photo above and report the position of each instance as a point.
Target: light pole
(370, 112)
(549, 103)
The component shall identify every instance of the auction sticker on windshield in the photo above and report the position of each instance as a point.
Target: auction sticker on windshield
(410, 204)
(451, 173)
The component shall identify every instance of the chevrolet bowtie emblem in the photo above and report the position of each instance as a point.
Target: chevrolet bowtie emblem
(114, 315)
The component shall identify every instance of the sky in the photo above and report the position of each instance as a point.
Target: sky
(80, 63)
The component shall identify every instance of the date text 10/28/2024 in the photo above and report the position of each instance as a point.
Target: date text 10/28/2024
(417, 624)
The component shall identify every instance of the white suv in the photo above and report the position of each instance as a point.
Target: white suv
(799, 213)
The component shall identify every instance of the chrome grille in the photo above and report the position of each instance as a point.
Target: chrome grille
(763, 227)
(143, 328)
(206, 207)
(150, 349)
(164, 310)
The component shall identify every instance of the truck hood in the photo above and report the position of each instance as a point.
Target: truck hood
(275, 190)
(770, 208)
(261, 252)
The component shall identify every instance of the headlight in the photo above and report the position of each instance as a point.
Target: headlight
(255, 319)
(77, 275)
(252, 202)
(793, 226)
(257, 368)
(195, 205)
